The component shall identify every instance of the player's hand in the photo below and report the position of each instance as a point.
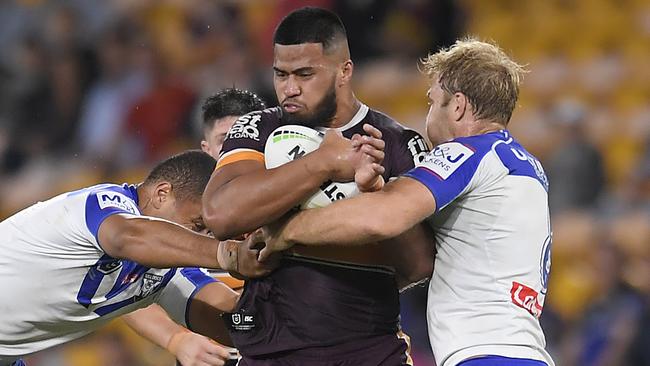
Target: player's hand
(248, 264)
(274, 241)
(344, 156)
(339, 156)
(192, 349)
(371, 144)
(368, 173)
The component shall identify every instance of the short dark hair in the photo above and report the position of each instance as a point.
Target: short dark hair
(188, 173)
(310, 25)
(229, 102)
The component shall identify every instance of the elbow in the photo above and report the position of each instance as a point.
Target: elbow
(220, 222)
(379, 229)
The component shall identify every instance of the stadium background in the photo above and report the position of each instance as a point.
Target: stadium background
(94, 90)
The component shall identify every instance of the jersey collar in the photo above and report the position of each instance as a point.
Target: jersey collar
(358, 117)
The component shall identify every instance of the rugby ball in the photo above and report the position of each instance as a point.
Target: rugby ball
(291, 142)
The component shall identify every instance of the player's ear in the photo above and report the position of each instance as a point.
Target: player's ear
(458, 106)
(161, 193)
(345, 73)
(205, 147)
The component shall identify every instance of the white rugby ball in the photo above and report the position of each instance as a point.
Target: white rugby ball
(290, 142)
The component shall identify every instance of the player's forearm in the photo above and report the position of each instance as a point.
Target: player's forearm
(346, 222)
(257, 198)
(161, 244)
(363, 219)
(154, 324)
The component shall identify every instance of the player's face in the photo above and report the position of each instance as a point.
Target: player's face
(214, 138)
(186, 213)
(304, 80)
(438, 122)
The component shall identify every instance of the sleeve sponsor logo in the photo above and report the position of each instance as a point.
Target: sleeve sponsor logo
(418, 149)
(527, 298)
(117, 200)
(446, 158)
(246, 127)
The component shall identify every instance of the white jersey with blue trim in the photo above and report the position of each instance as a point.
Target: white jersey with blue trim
(57, 283)
(493, 236)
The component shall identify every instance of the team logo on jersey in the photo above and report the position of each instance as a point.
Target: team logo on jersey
(446, 158)
(117, 200)
(418, 149)
(246, 127)
(150, 283)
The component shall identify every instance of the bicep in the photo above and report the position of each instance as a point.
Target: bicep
(227, 173)
(219, 209)
(111, 232)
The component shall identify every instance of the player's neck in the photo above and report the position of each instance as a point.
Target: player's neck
(489, 127)
(346, 109)
(481, 127)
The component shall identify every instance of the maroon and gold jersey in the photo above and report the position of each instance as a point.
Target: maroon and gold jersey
(320, 296)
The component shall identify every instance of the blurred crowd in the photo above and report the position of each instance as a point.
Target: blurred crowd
(94, 90)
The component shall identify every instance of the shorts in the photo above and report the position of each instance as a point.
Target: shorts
(386, 350)
(501, 361)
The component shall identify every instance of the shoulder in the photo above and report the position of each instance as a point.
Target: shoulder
(387, 124)
(462, 154)
(394, 130)
(123, 197)
(401, 142)
(255, 124)
(480, 145)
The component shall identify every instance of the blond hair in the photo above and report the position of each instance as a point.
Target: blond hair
(482, 72)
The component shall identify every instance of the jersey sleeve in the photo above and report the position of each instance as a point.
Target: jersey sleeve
(447, 171)
(176, 297)
(101, 204)
(411, 150)
(247, 136)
